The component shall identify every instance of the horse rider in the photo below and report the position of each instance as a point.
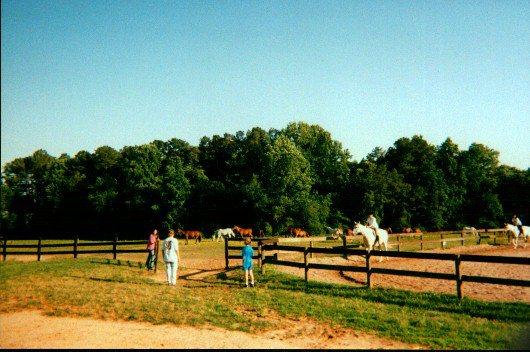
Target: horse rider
(372, 223)
(518, 223)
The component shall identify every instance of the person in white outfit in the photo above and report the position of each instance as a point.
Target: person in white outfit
(170, 247)
(372, 223)
(518, 223)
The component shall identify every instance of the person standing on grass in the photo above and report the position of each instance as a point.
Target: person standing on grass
(170, 247)
(153, 238)
(247, 254)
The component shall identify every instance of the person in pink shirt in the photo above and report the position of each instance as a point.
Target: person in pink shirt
(153, 238)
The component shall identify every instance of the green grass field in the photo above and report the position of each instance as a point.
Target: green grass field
(119, 289)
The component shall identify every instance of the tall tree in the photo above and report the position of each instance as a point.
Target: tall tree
(288, 186)
(481, 206)
(513, 189)
(415, 159)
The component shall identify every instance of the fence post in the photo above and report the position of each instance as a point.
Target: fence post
(442, 241)
(344, 243)
(114, 246)
(156, 253)
(262, 254)
(306, 267)
(5, 249)
(275, 250)
(226, 252)
(421, 239)
(39, 248)
(458, 273)
(463, 235)
(494, 238)
(368, 270)
(76, 239)
(311, 246)
(398, 238)
(260, 262)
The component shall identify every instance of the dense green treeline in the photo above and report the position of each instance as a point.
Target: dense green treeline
(271, 180)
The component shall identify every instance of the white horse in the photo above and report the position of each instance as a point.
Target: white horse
(515, 231)
(223, 232)
(369, 237)
(472, 229)
(334, 232)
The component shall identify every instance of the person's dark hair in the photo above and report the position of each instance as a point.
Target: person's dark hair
(248, 240)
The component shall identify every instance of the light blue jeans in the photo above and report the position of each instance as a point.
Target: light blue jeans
(171, 272)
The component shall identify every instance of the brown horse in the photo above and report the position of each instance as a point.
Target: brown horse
(417, 230)
(243, 232)
(193, 234)
(301, 233)
(406, 230)
(294, 231)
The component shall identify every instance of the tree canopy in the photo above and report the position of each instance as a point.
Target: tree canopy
(269, 180)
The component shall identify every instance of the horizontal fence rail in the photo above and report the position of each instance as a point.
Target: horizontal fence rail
(272, 245)
(75, 251)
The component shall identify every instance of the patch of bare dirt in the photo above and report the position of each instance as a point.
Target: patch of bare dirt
(31, 329)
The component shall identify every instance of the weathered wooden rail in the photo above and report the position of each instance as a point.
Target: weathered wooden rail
(74, 245)
(272, 244)
(488, 233)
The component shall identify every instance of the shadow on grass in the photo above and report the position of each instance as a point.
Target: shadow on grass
(223, 276)
(120, 280)
(504, 311)
(119, 262)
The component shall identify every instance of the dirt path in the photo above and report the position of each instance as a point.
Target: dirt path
(31, 329)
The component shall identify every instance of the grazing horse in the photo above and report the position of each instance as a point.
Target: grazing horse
(334, 232)
(369, 237)
(406, 230)
(293, 231)
(243, 232)
(515, 231)
(220, 233)
(417, 230)
(193, 234)
(302, 233)
(472, 229)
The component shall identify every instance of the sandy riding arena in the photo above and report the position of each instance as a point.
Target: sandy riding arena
(486, 292)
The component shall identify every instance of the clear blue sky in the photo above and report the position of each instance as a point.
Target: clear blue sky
(77, 75)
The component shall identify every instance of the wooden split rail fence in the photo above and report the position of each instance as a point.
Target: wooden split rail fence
(272, 244)
(75, 251)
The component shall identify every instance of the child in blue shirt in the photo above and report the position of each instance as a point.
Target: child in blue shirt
(247, 254)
